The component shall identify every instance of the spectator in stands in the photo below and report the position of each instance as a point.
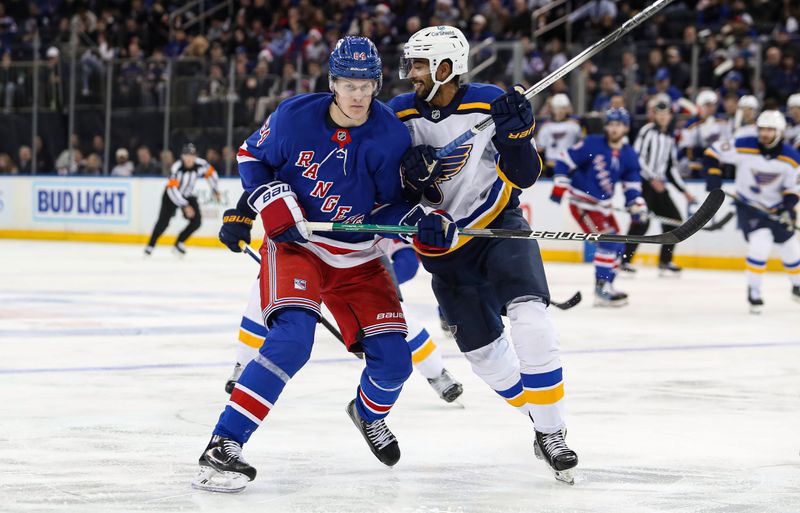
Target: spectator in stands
(24, 160)
(7, 166)
(784, 80)
(145, 163)
(69, 162)
(51, 74)
(124, 166)
(497, 16)
(655, 61)
(608, 88)
(214, 158)
(93, 165)
(8, 81)
(478, 30)
(732, 85)
(520, 23)
(664, 85)
(167, 159)
(679, 71)
(44, 160)
(98, 145)
(445, 13)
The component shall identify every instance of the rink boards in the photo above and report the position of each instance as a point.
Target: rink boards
(125, 210)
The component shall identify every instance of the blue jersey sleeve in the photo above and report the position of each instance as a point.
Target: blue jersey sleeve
(262, 153)
(577, 156)
(631, 177)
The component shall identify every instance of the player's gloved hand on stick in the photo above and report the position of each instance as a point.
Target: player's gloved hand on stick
(419, 168)
(513, 117)
(283, 217)
(436, 230)
(637, 208)
(236, 225)
(786, 210)
(560, 186)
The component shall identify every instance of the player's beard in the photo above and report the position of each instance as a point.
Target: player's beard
(427, 87)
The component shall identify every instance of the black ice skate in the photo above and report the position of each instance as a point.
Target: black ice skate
(554, 451)
(448, 388)
(796, 293)
(605, 295)
(148, 250)
(381, 441)
(222, 467)
(179, 249)
(668, 269)
(628, 269)
(237, 373)
(756, 303)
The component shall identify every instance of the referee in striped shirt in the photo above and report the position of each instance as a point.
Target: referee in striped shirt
(180, 194)
(658, 158)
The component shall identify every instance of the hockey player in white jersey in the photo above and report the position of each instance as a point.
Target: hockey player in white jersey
(700, 132)
(767, 177)
(560, 132)
(478, 280)
(792, 135)
(744, 122)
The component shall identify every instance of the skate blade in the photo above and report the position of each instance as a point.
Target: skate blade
(669, 274)
(796, 299)
(212, 480)
(756, 310)
(451, 395)
(565, 476)
(602, 303)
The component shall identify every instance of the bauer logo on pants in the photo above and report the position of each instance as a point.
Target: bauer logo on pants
(300, 284)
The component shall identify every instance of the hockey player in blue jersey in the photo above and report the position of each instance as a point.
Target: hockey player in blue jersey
(478, 280)
(324, 157)
(589, 171)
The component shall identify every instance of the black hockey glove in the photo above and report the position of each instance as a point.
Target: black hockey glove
(236, 225)
(419, 169)
(513, 117)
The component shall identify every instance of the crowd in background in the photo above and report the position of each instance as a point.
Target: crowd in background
(278, 48)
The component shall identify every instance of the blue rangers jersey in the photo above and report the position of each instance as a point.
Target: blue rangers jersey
(592, 168)
(347, 175)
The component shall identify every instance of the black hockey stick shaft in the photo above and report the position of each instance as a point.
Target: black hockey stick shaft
(692, 225)
(569, 303)
(763, 211)
(666, 220)
(325, 322)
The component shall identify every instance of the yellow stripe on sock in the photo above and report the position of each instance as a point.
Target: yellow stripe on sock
(754, 269)
(518, 401)
(793, 271)
(250, 339)
(550, 396)
(423, 351)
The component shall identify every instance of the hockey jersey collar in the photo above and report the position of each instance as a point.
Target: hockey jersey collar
(437, 114)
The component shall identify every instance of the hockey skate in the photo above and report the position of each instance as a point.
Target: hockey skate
(448, 388)
(222, 467)
(554, 451)
(796, 293)
(381, 441)
(148, 250)
(756, 303)
(669, 270)
(605, 295)
(237, 372)
(179, 249)
(627, 269)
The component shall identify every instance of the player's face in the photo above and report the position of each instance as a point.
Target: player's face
(795, 113)
(354, 96)
(419, 72)
(616, 130)
(766, 136)
(560, 113)
(748, 115)
(708, 109)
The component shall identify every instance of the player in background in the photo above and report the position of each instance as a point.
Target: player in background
(180, 194)
(792, 135)
(324, 157)
(589, 171)
(478, 280)
(767, 176)
(700, 132)
(658, 161)
(425, 354)
(560, 132)
(744, 122)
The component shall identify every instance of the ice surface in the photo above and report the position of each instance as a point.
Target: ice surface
(112, 374)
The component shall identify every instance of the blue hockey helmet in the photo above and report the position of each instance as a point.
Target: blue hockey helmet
(618, 114)
(355, 57)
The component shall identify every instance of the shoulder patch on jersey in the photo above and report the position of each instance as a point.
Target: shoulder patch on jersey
(746, 144)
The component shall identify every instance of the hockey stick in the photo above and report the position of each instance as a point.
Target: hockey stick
(325, 322)
(682, 232)
(560, 72)
(666, 220)
(569, 303)
(763, 211)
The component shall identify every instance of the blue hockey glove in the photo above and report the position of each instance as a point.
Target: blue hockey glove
(513, 117)
(436, 231)
(236, 225)
(419, 169)
(637, 208)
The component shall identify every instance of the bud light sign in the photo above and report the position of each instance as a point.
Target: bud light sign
(82, 201)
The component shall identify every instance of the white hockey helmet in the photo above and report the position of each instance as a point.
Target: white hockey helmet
(436, 44)
(772, 119)
(793, 101)
(560, 101)
(748, 101)
(705, 97)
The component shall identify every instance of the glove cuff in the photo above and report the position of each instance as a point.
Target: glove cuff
(243, 207)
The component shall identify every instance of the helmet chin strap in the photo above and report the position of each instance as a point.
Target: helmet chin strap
(437, 83)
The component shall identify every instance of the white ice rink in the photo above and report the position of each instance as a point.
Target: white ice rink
(112, 371)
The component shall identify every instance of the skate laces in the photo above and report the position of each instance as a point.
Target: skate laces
(379, 434)
(232, 449)
(554, 443)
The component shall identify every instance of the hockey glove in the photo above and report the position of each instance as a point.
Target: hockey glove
(436, 230)
(419, 169)
(637, 208)
(786, 210)
(283, 218)
(236, 225)
(513, 117)
(560, 186)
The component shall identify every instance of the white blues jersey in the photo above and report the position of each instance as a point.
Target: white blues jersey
(745, 131)
(472, 188)
(555, 137)
(699, 134)
(760, 179)
(792, 133)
